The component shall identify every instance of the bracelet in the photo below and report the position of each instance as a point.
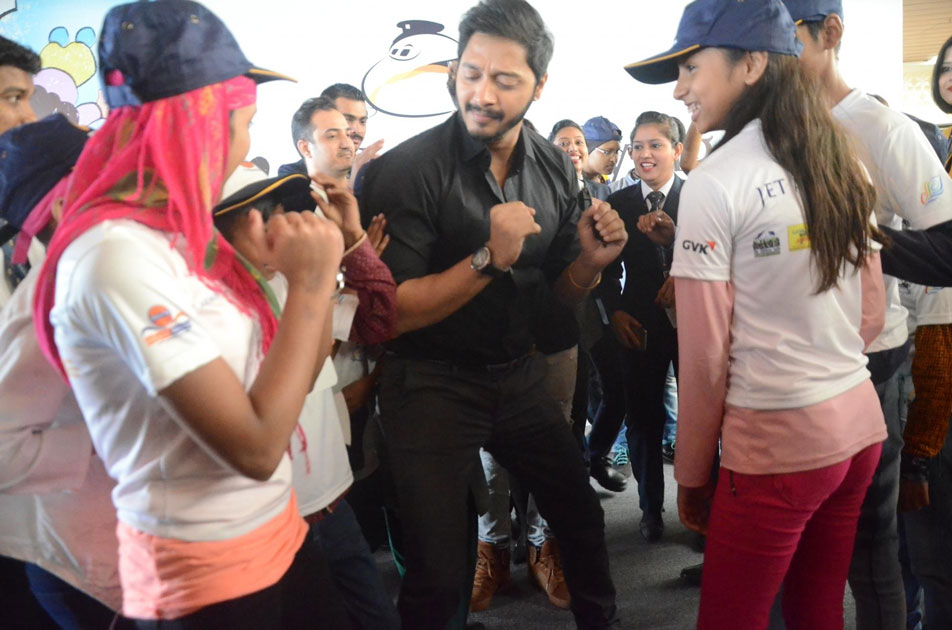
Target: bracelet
(357, 243)
(575, 284)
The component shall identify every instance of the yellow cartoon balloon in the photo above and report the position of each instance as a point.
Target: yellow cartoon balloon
(74, 58)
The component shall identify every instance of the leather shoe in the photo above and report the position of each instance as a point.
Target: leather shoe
(652, 527)
(545, 571)
(692, 574)
(606, 476)
(492, 575)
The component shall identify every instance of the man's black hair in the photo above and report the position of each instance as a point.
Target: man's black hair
(816, 27)
(301, 127)
(562, 124)
(672, 127)
(226, 223)
(13, 54)
(515, 20)
(343, 90)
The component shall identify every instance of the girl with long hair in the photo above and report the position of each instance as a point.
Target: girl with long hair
(171, 343)
(779, 291)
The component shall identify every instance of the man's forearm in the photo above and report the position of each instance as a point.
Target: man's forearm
(576, 281)
(424, 301)
(923, 257)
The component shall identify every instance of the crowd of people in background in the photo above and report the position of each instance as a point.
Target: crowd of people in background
(221, 391)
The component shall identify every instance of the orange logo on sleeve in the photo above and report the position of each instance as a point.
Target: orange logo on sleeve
(165, 325)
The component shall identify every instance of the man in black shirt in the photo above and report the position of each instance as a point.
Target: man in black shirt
(481, 213)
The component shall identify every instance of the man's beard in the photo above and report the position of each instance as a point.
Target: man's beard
(507, 125)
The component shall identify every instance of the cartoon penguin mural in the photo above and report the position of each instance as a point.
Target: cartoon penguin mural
(410, 81)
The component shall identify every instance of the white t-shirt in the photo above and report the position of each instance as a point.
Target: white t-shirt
(68, 526)
(129, 320)
(740, 221)
(910, 183)
(321, 470)
(932, 306)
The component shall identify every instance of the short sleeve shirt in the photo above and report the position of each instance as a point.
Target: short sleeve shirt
(910, 182)
(129, 320)
(740, 221)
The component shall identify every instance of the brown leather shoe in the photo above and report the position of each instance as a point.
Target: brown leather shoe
(492, 575)
(545, 571)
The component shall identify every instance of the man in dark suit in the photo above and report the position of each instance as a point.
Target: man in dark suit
(642, 313)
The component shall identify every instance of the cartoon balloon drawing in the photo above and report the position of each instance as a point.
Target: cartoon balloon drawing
(7, 7)
(66, 66)
(75, 58)
(410, 81)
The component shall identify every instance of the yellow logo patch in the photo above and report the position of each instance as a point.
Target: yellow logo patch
(798, 237)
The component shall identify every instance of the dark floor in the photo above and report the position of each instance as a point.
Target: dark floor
(650, 593)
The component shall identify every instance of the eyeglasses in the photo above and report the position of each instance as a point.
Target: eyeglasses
(608, 153)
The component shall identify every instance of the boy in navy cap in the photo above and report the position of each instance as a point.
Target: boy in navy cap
(913, 187)
(603, 138)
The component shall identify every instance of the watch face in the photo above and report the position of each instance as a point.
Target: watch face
(481, 258)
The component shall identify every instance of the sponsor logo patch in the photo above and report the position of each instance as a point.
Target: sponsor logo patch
(698, 247)
(798, 237)
(932, 190)
(164, 325)
(767, 243)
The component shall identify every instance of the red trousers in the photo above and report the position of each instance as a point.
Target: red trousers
(795, 529)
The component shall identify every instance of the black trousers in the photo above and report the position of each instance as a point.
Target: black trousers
(607, 361)
(436, 417)
(645, 375)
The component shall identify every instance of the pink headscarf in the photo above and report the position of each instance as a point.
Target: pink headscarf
(161, 164)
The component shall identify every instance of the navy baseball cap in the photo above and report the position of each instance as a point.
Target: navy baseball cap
(34, 158)
(154, 50)
(812, 10)
(752, 25)
(600, 130)
(249, 183)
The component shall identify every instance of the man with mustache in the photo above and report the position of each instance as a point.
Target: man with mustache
(482, 214)
(321, 137)
(350, 101)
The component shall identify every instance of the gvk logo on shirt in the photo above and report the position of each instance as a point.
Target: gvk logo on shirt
(698, 248)
(165, 325)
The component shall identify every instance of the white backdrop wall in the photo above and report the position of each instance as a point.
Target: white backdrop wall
(321, 43)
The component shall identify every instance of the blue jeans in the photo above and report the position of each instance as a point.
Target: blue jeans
(66, 605)
(495, 526)
(929, 540)
(875, 574)
(354, 570)
(670, 406)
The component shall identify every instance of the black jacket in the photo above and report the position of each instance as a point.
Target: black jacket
(644, 274)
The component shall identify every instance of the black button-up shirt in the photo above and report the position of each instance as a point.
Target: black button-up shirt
(436, 190)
